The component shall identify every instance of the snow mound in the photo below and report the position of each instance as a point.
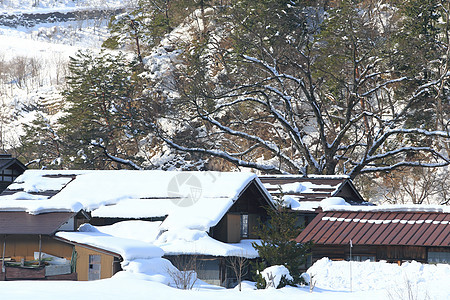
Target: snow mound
(423, 279)
(333, 201)
(154, 269)
(295, 187)
(272, 275)
(246, 285)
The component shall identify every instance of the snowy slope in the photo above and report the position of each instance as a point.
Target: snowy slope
(47, 45)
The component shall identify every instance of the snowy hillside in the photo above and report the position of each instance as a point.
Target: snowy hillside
(36, 40)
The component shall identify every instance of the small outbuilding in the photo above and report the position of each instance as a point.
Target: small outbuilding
(28, 247)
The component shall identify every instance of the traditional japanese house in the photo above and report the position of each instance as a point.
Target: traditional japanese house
(208, 216)
(10, 169)
(390, 233)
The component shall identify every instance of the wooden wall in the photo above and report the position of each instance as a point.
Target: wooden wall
(388, 253)
(228, 230)
(234, 228)
(23, 247)
(107, 263)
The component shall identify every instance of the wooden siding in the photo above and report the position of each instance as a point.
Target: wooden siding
(10, 169)
(228, 230)
(107, 263)
(387, 253)
(23, 247)
(251, 203)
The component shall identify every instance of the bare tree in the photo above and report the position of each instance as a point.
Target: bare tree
(185, 274)
(325, 104)
(239, 266)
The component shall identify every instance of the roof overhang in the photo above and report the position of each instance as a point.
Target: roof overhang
(21, 222)
(103, 251)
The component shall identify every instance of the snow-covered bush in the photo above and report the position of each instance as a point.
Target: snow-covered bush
(276, 277)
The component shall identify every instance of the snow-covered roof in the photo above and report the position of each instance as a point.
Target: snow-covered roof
(145, 239)
(304, 193)
(195, 200)
(190, 202)
(127, 248)
(391, 208)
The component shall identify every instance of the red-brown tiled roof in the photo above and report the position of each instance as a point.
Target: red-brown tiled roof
(379, 228)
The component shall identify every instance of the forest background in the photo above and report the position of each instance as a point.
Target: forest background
(357, 88)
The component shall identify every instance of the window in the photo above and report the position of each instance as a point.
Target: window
(244, 226)
(362, 258)
(439, 257)
(94, 267)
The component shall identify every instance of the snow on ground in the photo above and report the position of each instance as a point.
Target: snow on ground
(142, 280)
(424, 279)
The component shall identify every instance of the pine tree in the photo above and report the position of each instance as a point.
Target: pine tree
(106, 107)
(278, 245)
(40, 145)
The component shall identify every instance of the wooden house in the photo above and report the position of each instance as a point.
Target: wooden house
(28, 246)
(394, 234)
(209, 216)
(93, 262)
(10, 169)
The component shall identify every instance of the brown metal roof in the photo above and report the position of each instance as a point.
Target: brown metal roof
(379, 228)
(20, 222)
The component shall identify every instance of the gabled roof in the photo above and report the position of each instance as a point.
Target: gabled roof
(6, 161)
(305, 192)
(20, 222)
(196, 200)
(394, 226)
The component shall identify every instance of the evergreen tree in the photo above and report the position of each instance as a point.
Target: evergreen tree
(278, 245)
(40, 145)
(105, 108)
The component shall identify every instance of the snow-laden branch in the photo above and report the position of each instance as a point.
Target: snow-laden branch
(292, 130)
(263, 143)
(115, 158)
(403, 164)
(383, 85)
(406, 149)
(222, 154)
